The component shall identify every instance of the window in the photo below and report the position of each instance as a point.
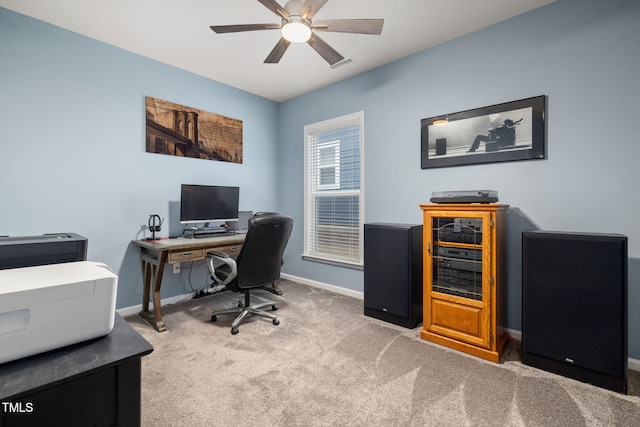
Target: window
(334, 213)
(328, 165)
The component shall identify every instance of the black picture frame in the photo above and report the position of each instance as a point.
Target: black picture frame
(498, 133)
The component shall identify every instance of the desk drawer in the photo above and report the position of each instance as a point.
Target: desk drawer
(230, 250)
(192, 255)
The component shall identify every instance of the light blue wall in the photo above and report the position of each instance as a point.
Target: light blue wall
(584, 55)
(72, 146)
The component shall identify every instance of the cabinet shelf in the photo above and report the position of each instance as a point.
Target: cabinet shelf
(460, 292)
(459, 245)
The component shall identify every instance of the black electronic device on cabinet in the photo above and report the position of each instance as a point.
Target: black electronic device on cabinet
(574, 306)
(393, 273)
(29, 251)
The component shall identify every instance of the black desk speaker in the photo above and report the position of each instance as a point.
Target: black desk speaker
(574, 306)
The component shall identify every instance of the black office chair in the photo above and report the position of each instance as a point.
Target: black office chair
(257, 265)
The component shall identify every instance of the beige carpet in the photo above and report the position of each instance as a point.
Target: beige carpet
(327, 364)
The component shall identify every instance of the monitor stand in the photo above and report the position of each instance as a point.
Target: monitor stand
(205, 231)
(209, 232)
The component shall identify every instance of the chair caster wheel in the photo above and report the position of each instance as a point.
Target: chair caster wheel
(240, 304)
(276, 322)
(234, 331)
(274, 307)
(214, 317)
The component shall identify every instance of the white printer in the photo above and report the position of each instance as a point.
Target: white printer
(50, 306)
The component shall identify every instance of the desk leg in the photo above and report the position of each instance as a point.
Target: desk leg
(152, 270)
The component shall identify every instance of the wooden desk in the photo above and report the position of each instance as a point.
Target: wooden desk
(95, 382)
(154, 254)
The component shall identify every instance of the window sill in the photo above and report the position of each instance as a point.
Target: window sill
(337, 263)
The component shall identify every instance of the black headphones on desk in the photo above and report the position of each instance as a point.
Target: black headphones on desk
(154, 224)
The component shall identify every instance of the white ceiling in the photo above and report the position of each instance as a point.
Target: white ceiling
(177, 32)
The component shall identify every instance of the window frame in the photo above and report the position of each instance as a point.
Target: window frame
(314, 191)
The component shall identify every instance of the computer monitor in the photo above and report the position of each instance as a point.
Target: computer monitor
(208, 203)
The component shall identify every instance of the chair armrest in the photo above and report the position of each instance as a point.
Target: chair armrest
(218, 254)
(225, 259)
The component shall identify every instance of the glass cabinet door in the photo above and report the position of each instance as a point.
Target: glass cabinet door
(457, 257)
(458, 275)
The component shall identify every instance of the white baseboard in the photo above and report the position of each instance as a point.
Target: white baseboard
(327, 287)
(515, 334)
(135, 309)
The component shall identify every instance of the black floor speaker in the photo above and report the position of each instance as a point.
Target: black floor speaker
(574, 306)
(393, 273)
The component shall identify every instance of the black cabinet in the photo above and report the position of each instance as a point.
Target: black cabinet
(393, 273)
(574, 306)
(92, 383)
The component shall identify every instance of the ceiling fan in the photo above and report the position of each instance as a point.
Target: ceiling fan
(297, 27)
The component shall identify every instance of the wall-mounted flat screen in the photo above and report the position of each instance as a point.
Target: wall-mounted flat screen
(208, 203)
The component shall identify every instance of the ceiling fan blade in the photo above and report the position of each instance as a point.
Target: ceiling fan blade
(327, 52)
(277, 52)
(274, 7)
(220, 29)
(311, 7)
(358, 26)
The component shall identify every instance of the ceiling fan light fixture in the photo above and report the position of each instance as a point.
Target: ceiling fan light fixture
(296, 30)
(296, 26)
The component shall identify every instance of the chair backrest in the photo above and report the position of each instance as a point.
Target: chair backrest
(260, 259)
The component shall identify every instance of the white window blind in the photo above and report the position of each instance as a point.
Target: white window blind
(334, 213)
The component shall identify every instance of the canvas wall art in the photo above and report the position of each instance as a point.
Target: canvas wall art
(177, 130)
